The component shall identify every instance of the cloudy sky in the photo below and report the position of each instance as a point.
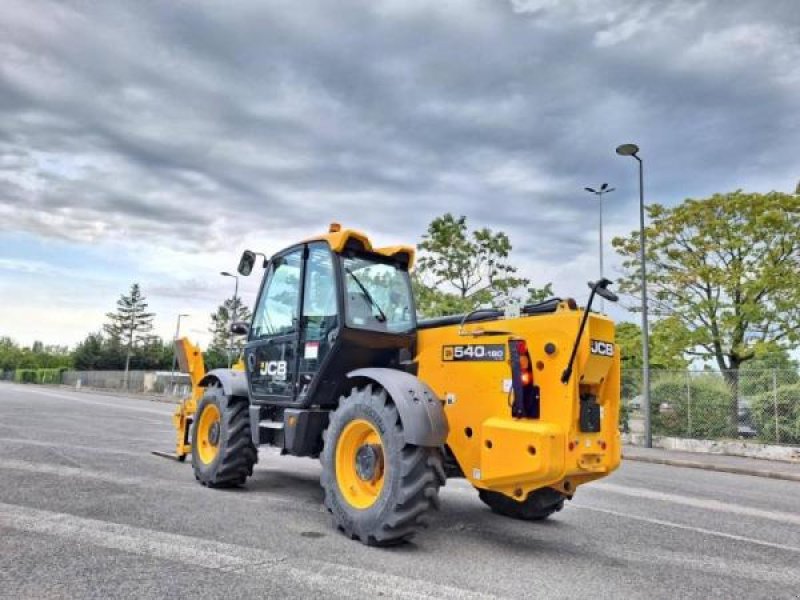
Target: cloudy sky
(153, 141)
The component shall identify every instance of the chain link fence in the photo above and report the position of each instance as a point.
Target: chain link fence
(762, 406)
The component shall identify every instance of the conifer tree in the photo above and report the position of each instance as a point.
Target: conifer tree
(131, 324)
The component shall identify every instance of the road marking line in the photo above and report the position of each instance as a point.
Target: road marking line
(703, 503)
(233, 558)
(64, 471)
(75, 398)
(730, 536)
(61, 446)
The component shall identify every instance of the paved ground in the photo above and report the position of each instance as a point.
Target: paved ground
(87, 512)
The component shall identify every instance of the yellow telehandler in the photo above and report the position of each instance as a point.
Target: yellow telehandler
(523, 403)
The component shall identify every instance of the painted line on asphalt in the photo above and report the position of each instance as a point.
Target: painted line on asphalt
(74, 398)
(318, 574)
(65, 471)
(702, 503)
(701, 530)
(61, 447)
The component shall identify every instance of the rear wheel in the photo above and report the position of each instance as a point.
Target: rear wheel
(539, 504)
(223, 453)
(378, 488)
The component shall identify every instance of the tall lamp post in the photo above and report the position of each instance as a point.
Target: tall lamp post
(633, 150)
(175, 351)
(233, 313)
(603, 189)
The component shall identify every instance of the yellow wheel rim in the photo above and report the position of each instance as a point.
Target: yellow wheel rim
(208, 432)
(359, 464)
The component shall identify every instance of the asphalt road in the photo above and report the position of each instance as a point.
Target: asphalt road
(87, 512)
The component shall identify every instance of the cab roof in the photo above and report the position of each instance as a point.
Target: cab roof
(341, 239)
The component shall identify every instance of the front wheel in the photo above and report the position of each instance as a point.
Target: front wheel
(378, 488)
(539, 504)
(223, 453)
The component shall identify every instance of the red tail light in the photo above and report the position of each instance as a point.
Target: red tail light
(525, 370)
(526, 394)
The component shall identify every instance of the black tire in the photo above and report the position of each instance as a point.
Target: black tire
(412, 474)
(236, 454)
(539, 504)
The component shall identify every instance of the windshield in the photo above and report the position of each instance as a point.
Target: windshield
(377, 296)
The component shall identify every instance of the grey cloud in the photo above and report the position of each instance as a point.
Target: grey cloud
(285, 115)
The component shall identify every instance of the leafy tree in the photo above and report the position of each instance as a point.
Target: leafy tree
(728, 269)
(459, 270)
(9, 354)
(38, 356)
(88, 354)
(770, 361)
(131, 324)
(223, 343)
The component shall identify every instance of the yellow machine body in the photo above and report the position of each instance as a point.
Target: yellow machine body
(518, 455)
(495, 451)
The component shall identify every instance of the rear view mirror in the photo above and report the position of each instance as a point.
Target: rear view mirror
(246, 263)
(240, 328)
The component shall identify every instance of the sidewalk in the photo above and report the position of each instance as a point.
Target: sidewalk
(714, 462)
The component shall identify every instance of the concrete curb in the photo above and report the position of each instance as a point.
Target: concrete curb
(689, 464)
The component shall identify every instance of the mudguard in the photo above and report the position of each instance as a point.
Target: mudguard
(234, 383)
(421, 412)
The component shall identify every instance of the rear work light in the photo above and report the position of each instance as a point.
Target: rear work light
(525, 403)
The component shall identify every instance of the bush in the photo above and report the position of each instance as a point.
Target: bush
(788, 409)
(39, 375)
(709, 407)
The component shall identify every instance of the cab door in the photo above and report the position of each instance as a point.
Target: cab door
(271, 351)
(320, 318)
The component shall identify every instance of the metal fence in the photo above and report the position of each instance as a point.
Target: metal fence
(137, 382)
(757, 405)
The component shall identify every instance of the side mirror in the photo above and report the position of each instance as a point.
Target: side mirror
(246, 263)
(240, 328)
(601, 288)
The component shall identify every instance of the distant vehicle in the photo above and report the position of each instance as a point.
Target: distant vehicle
(745, 427)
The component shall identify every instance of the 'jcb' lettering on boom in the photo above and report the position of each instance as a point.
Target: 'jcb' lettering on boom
(602, 348)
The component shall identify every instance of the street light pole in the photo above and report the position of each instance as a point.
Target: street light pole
(633, 150)
(175, 350)
(604, 189)
(233, 314)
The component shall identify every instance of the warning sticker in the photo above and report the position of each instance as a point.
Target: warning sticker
(311, 351)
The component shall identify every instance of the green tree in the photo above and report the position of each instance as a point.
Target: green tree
(770, 361)
(459, 270)
(223, 343)
(131, 324)
(10, 353)
(728, 269)
(88, 354)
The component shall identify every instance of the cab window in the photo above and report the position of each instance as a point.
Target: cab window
(277, 309)
(378, 295)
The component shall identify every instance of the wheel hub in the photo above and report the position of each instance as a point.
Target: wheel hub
(213, 434)
(369, 462)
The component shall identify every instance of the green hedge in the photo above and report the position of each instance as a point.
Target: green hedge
(38, 375)
(788, 409)
(710, 406)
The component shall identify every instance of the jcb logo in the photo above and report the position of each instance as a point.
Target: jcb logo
(275, 369)
(602, 348)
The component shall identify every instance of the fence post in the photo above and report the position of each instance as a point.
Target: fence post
(689, 402)
(775, 402)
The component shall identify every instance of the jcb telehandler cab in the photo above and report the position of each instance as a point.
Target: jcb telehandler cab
(337, 366)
